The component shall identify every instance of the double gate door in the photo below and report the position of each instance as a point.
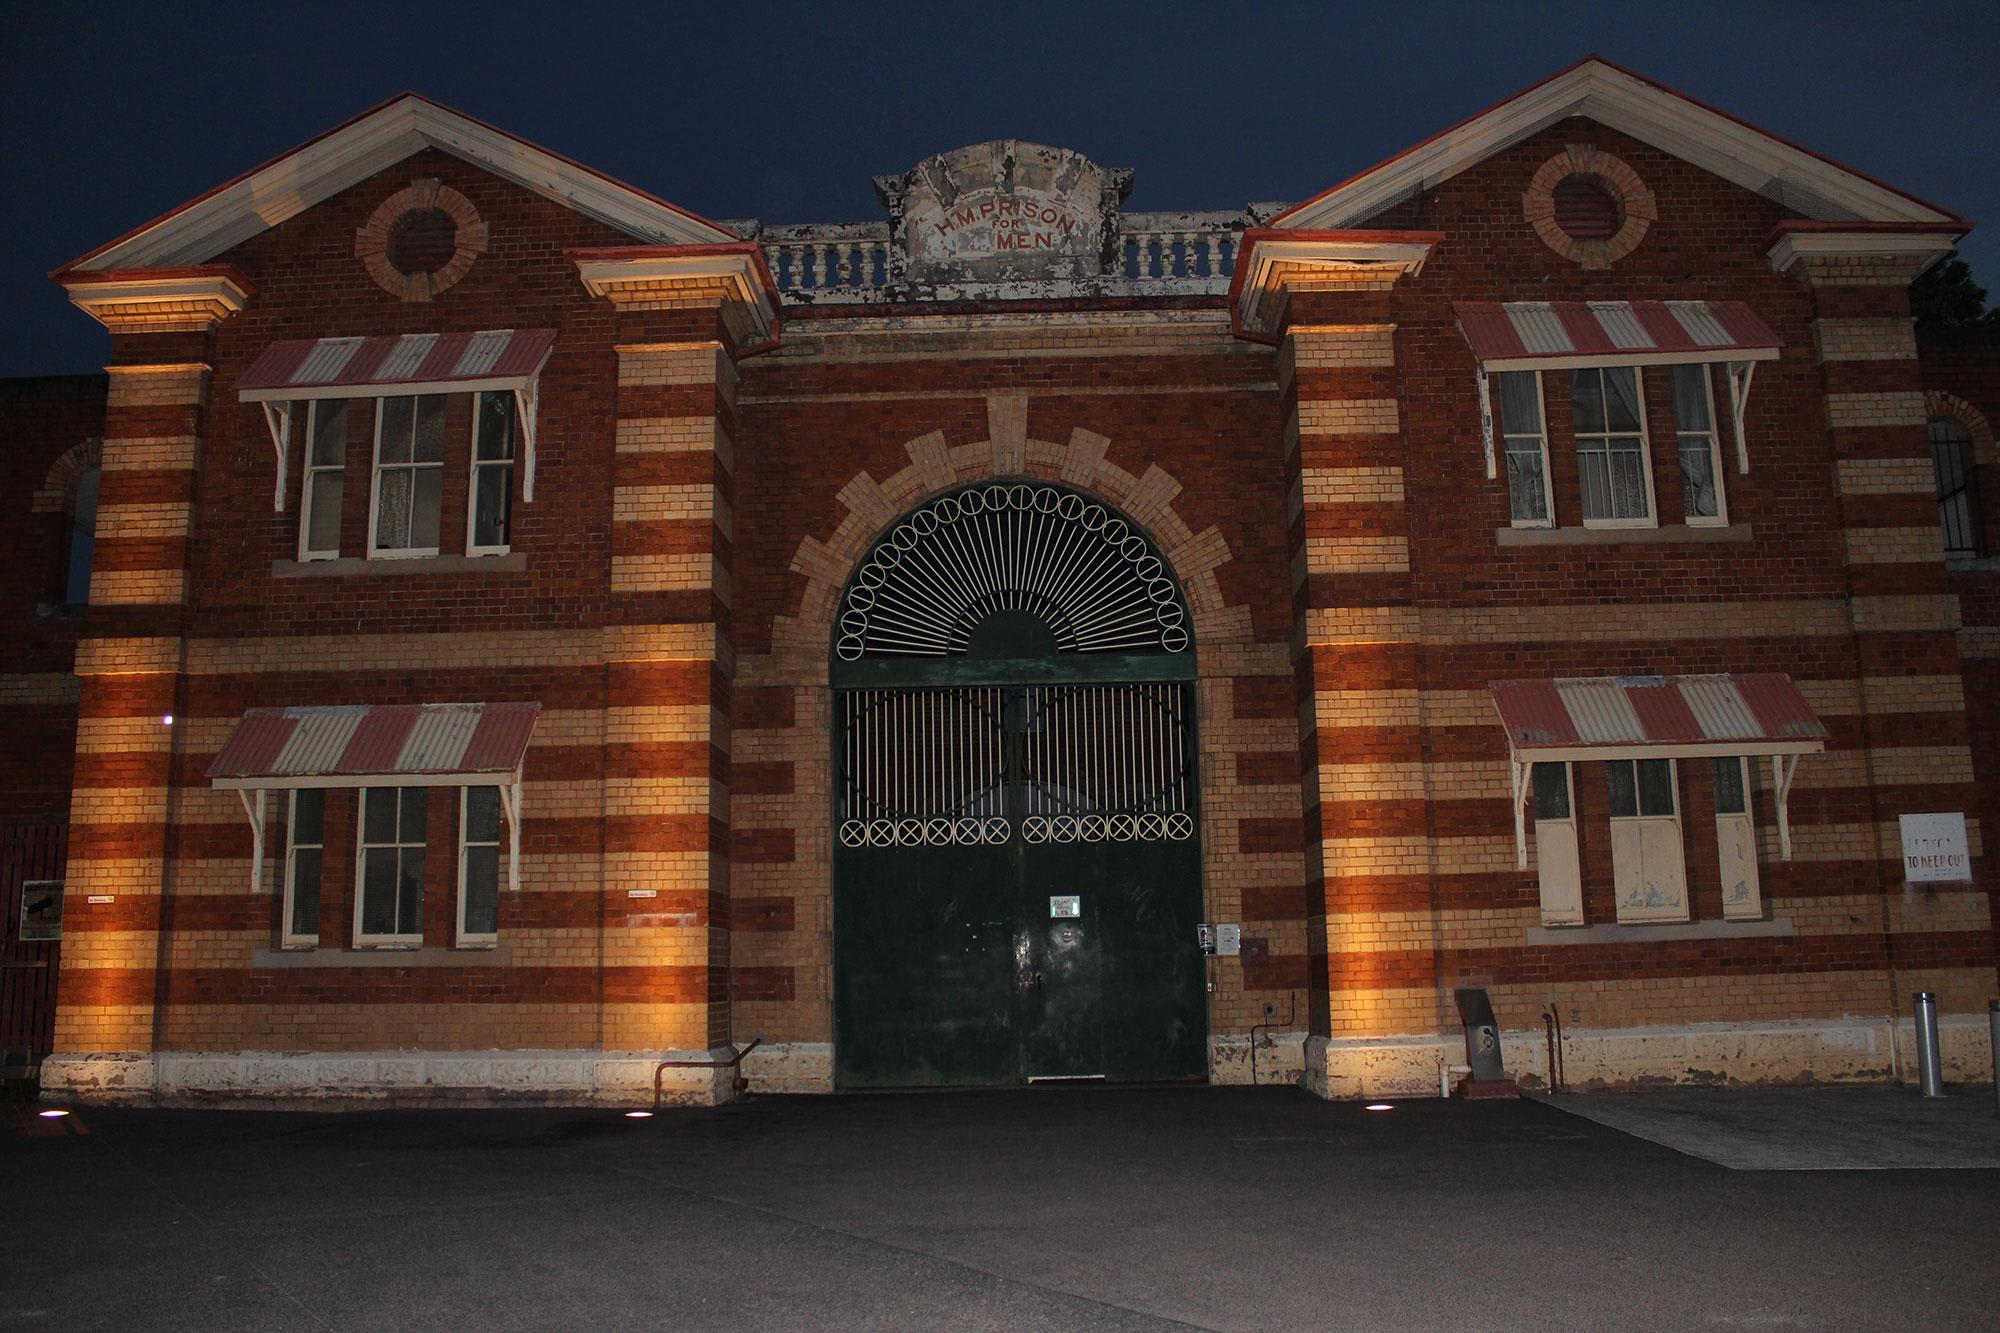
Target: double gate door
(1017, 886)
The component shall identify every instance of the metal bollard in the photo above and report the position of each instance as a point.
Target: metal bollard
(1993, 1030)
(1930, 1077)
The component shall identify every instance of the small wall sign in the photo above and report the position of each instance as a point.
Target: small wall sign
(1935, 849)
(41, 909)
(1229, 940)
(1065, 906)
(1205, 938)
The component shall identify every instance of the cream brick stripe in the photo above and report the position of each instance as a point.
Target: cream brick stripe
(151, 453)
(1864, 410)
(1348, 416)
(38, 689)
(1886, 476)
(1894, 546)
(1357, 555)
(1351, 485)
(402, 652)
(158, 519)
(1638, 623)
(1979, 643)
(689, 572)
(672, 504)
(1865, 339)
(1463, 708)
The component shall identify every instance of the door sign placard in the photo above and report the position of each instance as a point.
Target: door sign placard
(1229, 940)
(1935, 850)
(1065, 906)
(1205, 937)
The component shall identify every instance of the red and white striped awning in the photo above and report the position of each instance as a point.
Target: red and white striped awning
(1557, 335)
(391, 363)
(491, 361)
(1656, 717)
(403, 745)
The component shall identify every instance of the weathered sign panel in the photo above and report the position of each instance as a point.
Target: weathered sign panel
(1004, 211)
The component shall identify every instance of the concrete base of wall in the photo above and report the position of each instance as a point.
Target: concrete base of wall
(1849, 1050)
(1279, 1058)
(797, 1066)
(307, 1080)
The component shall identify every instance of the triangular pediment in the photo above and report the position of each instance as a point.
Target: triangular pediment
(374, 141)
(1813, 186)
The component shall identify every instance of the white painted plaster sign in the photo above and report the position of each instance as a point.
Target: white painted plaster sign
(1935, 850)
(1065, 905)
(1229, 940)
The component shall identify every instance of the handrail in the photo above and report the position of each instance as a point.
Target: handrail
(735, 1062)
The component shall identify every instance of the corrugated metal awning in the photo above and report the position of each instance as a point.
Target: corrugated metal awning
(406, 745)
(491, 361)
(405, 363)
(1656, 717)
(1549, 335)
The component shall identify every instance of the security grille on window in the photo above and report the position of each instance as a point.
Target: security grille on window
(1951, 457)
(389, 909)
(1702, 499)
(491, 494)
(1648, 868)
(1527, 442)
(326, 463)
(305, 852)
(409, 474)
(1611, 450)
(479, 866)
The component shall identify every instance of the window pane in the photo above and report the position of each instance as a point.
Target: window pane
(305, 892)
(378, 891)
(424, 505)
(410, 898)
(415, 802)
(1551, 792)
(392, 519)
(308, 818)
(430, 428)
(482, 890)
(329, 433)
(1698, 478)
(1621, 405)
(493, 506)
(496, 425)
(1624, 796)
(378, 822)
(1595, 474)
(1527, 490)
(82, 538)
(1656, 786)
(482, 814)
(1586, 397)
(1628, 480)
(323, 511)
(1729, 796)
(1520, 403)
(1691, 398)
(395, 426)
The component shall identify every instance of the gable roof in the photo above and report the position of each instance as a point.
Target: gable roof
(1798, 178)
(373, 141)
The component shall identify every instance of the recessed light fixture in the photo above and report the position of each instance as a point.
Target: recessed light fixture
(1380, 1106)
(52, 1113)
(167, 720)
(638, 1115)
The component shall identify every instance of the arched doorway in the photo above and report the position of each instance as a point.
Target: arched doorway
(1017, 864)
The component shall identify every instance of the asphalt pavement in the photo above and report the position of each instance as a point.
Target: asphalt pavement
(1047, 1208)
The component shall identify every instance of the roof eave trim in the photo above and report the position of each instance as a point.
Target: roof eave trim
(1585, 360)
(1721, 749)
(339, 781)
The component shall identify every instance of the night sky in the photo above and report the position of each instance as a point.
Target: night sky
(113, 113)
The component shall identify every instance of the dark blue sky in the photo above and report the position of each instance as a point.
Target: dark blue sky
(113, 113)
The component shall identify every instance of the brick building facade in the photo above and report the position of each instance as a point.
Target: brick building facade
(595, 636)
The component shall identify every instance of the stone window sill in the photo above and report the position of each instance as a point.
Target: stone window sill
(1612, 932)
(485, 955)
(511, 563)
(1676, 534)
(1973, 564)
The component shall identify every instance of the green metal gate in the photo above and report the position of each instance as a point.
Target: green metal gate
(1017, 867)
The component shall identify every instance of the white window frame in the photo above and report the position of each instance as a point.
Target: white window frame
(361, 849)
(1720, 519)
(1577, 437)
(375, 481)
(307, 472)
(288, 938)
(1508, 435)
(472, 477)
(1642, 824)
(470, 939)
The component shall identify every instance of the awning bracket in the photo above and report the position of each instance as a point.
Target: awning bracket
(526, 394)
(1783, 768)
(1486, 424)
(510, 803)
(278, 420)
(1740, 373)
(255, 810)
(1520, 772)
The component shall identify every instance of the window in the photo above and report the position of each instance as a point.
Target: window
(1958, 515)
(479, 866)
(1527, 448)
(409, 474)
(326, 464)
(389, 909)
(1611, 449)
(1556, 858)
(1736, 840)
(82, 539)
(491, 494)
(305, 830)
(1648, 869)
(1701, 455)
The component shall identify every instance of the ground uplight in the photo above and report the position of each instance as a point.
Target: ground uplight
(1380, 1106)
(638, 1115)
(52, 1113)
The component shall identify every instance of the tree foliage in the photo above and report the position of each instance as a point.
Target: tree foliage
(1946, 296)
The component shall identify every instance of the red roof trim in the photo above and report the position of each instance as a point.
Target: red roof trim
(1958, 227)
(108, 277)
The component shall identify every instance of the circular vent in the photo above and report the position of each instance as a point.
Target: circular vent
(423, 240)
(1586, 210)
